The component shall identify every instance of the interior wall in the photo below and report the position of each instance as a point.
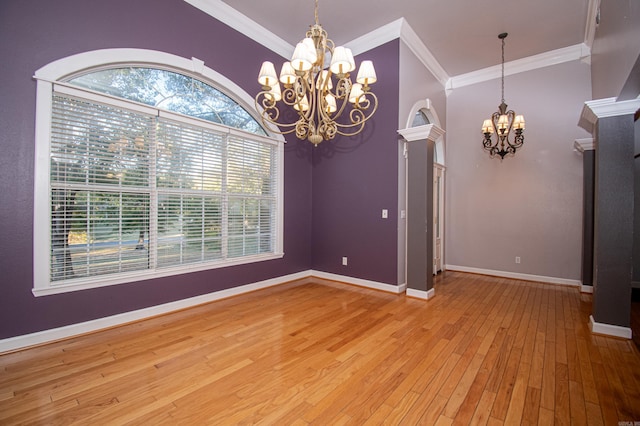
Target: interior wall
(37, 32)
(530, 205)
(416, 84)
(354, 179)
(617, 41)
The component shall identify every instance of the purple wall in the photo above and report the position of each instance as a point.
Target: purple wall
(35, 33)
(353, 180)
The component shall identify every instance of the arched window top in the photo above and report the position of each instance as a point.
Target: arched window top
(420, 119)
(170, 91)
(424, 114)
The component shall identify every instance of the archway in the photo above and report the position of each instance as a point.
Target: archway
(423, 149)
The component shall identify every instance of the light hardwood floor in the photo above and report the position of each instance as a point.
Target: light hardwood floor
(483, 351)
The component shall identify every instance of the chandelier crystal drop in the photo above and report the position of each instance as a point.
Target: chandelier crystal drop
(317, 84)
(502, 123)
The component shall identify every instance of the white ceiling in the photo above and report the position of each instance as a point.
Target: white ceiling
(462, 35)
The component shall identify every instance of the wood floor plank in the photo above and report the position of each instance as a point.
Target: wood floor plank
(548, 390)
(562, 408)
(483, 409)
(577, 403)
(545, 417)
(531, 406)
(594, 414)
(485, 351)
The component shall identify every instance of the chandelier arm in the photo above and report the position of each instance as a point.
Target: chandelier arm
(269, 109)
(270, 112)
(341, 93)
(317, 106)
(518, 137)
(270, 125)
(358, 121)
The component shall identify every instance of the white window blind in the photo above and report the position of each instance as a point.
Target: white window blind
(138, 189)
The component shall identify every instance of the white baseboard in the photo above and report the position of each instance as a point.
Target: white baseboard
(421, 294)
(608, 329)
(46, 336)
(51, 335)
(396, 289)
(515, 275)
(586, 288)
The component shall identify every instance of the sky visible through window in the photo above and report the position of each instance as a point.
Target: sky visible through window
(170, 91)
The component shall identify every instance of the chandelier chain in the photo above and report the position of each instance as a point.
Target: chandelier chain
(316, 13)
(503, 69)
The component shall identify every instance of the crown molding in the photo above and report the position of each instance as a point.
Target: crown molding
(591, 24)
(401, 29)
(566, 54)
(375, 38)
(429, 132)
(236, 20)
(594, 110)
(413, 42)
(582, 145)
(608, 107)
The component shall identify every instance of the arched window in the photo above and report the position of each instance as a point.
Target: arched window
(422, 113)
(170, 91)
(145, 171)
(420, 119)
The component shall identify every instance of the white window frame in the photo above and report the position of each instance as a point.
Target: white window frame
(55, 73)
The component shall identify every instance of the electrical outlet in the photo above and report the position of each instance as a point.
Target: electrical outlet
(517, 259)
(385, 213)
(344, 261)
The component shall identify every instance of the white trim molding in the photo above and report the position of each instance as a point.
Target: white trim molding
(421, 294)
(593, 12)
(400, 29)
(554, 57)
(429, 132)
(60, 333)
(608, 329)
(582, 145)
(236, 20)
(516, 275)
(413, 42)
(586, 289)
(61, 68)
(603, 108)
(389, 288)
(424, 105)
(47, 336)
(53, 75)
(377, 37)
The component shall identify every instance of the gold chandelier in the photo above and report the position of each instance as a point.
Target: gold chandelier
(318, 86)
(501, 123)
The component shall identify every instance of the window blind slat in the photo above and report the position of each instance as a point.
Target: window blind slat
(212, 191)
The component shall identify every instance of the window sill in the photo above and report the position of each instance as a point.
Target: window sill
(97, 282)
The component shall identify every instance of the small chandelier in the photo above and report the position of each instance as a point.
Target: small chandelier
(502, 123)
(318, 86)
